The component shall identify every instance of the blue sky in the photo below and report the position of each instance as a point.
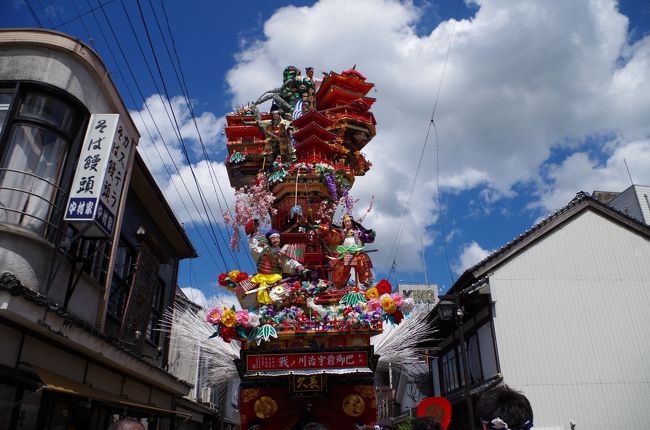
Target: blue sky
(539, 100)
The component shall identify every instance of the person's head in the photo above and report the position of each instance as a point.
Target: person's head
(503, 407)
(273, 236)
(309, 71)
(126, 424)
(425, 423)
(347, 221)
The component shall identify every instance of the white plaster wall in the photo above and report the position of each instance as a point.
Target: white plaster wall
(572, 322)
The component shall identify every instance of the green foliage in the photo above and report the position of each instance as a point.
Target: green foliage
(406, 425)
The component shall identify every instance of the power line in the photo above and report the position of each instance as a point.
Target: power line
(185, 152)
(47, 17)
(119, 69)
(31, 11)
(130, 69)
(83, 24)
(56, 12)
(184, 89)
(397, 240)
(79, 15)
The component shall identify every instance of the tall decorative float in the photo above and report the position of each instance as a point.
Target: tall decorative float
(310, 310)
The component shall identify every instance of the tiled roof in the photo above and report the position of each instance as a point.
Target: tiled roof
(11, 284)
(581, 198)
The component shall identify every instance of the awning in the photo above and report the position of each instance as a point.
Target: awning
(61, 384)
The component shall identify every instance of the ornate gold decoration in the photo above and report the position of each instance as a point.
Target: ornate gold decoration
(366, 391)
(265, 407)
(353, 405)
(249, 394)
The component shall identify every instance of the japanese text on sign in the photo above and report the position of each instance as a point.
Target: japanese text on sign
(98, 181)
(315, 360)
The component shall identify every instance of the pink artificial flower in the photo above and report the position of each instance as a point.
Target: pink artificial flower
(214, 316)
(374, 304)
(242, 318)
(397, 299)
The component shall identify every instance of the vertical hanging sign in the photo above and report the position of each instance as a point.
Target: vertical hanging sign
(99, 179)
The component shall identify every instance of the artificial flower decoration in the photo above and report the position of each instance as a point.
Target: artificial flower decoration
(352, 298)
(232, 279)
(230, 324)
(214, 316)
(223, 279)
(372, 293)
(387, 303)
(229, 319)
(384, 287)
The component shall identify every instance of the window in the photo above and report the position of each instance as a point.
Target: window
(157, 306)
(125, 259)
(450, 377)
(38, 130)
(5, 103)
(93, 252)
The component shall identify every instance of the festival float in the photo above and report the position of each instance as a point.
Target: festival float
(303, 333)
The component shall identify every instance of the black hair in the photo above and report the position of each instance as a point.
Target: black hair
(507, 404)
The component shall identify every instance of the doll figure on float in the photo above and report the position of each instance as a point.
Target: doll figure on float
(350, 253)
(272, 262)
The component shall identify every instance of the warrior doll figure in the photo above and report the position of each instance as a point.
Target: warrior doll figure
(350, 253)
(271, 264)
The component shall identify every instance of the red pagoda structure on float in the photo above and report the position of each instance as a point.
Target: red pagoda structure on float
(309, 312)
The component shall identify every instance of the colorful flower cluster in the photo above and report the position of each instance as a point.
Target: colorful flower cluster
(394, 306)
(230, 324)
(356, 310)
(231, 279)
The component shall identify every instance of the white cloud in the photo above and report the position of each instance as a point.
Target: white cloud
(197, 296)
(161, 150)
(470, 254)
(580, 172)
(523, 78)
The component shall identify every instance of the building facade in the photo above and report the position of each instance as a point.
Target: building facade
(559, 313)
(78, 312)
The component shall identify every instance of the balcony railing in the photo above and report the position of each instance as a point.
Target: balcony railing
(31, 209)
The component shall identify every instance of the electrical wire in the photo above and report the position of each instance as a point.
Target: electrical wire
(184, 89)
(398, 235)
(33, 13)
(150, 114)
(83, 24)
(174, 121)
(119, 69)
(47, 17)
(79, 15)
(58, 15)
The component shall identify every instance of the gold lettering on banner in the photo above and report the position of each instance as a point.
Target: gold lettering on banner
(308, 383)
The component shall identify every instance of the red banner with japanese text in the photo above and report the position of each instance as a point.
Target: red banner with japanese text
(306, 361)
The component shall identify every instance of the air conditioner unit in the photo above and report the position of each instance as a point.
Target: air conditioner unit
(206, 395)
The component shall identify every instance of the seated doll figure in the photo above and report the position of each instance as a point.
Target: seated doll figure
(271, 264)
(350, 253)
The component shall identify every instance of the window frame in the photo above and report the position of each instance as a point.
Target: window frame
(52, 229)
